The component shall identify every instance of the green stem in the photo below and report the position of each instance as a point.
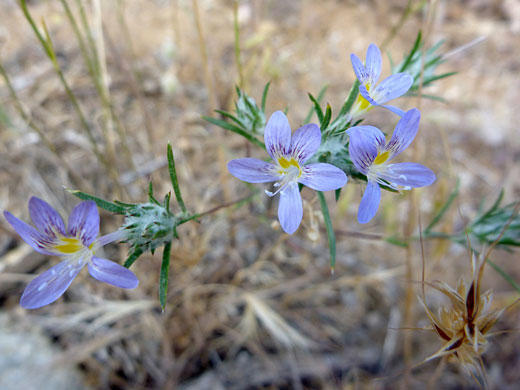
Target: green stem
(330, 231)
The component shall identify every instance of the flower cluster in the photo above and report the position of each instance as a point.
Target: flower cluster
(76, 244)
(367, 149)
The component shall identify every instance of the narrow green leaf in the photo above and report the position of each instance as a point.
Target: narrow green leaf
(264, 96)
(352, 95)
(326, 119)
(151, 198)
(235, 129)
(330, 231)
(311, 110)
(417, 44)
(104, 204)
(163, 279)
(173, 177)
(337, 193)
(166, 201)
(317, 108)
(396, 242)
(134, 255)
(230, 116)
(427, 96)
(125, 205)
(435, 220)
(430, 80)
(505, 275)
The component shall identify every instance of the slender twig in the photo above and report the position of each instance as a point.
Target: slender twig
(204, 55)
(76, 179)
(217, 208)
(237, 45)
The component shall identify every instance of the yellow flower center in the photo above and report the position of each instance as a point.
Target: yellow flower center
(381, 157)
(68, 245)
(287, 164)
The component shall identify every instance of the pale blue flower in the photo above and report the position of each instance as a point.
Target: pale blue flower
(371, 155)
(289, 155)
(371, 94)
(77, 244)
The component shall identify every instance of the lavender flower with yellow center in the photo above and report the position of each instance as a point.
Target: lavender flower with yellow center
(77, 245)
(464, 325)
(371, 155)
(289, 155)
(371, 94)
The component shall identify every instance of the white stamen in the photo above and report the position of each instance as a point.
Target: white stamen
(290, 176)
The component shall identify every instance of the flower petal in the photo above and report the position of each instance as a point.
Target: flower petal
(305, 142)
(358, 67)
(112, 273)
(277, 135)
(252, 170)
(408, 174)
(290, 208)
(404, 132)
(45, 218)
(395, 110)
(392, 87)
(50, 285)
(84, 222)
(38, 241)
(365, 142)
(369, 203)
(373, 64)
(323, 177)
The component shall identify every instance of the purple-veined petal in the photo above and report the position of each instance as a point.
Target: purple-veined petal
(358, 67)
(323, 177)
(369, 203)
(50, 285)
(365, 142)
(404, 132)
(277, 135)
(112, 273)
(373, 64)
(305, 142)
(392, 87)
(252, 170)
(84, 222)
(290, 208)
(38, 241)
(408, 174)
(45, 218)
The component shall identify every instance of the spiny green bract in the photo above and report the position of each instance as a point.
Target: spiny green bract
(149, 226)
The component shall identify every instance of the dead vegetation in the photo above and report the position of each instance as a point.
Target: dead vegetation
(249, 307)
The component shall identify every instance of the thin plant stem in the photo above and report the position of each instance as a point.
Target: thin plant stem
(47, 45)
(76, 179)
(217, 208)
(237, 45)
(204, 55)
(135, 79)
(90, 55)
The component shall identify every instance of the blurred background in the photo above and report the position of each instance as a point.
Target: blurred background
(248, 306)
